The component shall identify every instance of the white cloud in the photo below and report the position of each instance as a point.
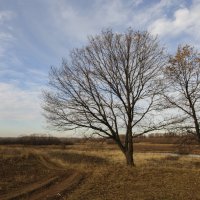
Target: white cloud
(117, 14)
(5, 39)
(5, 15)
(185, 21)
(137, 2)
(142, 17)
(19, 104)
(78, 25)
(5, 36)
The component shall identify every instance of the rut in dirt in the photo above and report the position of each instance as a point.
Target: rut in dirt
(53, 188)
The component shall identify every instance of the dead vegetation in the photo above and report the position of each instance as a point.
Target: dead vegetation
(96, 171)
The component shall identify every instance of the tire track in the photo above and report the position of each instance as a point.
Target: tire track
(53, 188)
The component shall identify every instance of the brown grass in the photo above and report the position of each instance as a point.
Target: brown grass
(156, 175)
(20, 167)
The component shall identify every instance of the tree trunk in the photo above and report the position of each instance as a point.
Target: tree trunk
(196, 123)
(194, 116)
(129, 158)
(129, 150)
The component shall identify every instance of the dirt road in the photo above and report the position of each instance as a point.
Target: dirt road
(52, 188)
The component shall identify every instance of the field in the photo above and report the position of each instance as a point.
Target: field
(97, 171)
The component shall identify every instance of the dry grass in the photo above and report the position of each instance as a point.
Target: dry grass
(156, 176)
(19, 167)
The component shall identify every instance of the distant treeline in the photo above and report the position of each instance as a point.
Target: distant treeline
(162, 138)
(36, 139)
(159, 138)
(154, 138)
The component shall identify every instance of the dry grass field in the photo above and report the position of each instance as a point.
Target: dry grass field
(97, 171)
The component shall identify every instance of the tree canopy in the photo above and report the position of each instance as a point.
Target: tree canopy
(182, 90)
(109, 86)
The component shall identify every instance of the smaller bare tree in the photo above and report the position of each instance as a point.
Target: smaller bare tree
(109, 86)
(182, 90)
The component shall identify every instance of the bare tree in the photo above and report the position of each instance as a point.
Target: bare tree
(109, 86)
(182, 90)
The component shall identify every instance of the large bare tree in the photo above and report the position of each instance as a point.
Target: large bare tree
(182, 90)
(109, 86)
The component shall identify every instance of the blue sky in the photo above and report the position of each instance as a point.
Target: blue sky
(35, 35)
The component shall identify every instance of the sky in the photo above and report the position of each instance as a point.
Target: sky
(35, 35)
